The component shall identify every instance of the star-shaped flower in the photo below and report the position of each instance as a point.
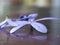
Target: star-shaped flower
(31, 21)
(24, 20)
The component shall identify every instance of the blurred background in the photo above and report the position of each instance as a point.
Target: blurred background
(45, 8)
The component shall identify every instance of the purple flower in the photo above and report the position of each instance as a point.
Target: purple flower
(38, 26)
(30, 19)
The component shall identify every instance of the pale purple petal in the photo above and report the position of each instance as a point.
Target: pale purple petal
(39, 27)
(14, 29)
(15, 23)
(3, 22)
(4, 25)
(48, 18)
(34, 15)
(18, 27)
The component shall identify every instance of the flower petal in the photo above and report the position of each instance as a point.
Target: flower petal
(33, 15)
(39, 27)
(15, 23)
(17, 27)
(48, 18)
(3, 22)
